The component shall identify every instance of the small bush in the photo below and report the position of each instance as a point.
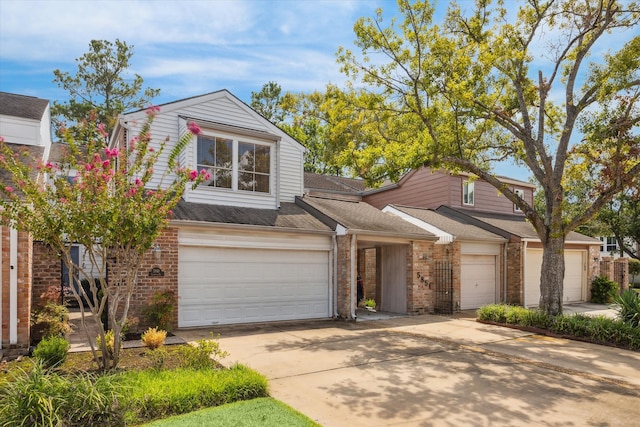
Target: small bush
(634, 267)
(202, 354)
(109, 340)
(157, 357)
(51, 320)
(603, 290)
(153, 338)
(161, 309)
(52, 351)
(44, 398)
(159, 394)
(493, 313)
(629, 307)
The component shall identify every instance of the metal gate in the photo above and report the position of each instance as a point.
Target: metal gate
(444, 288)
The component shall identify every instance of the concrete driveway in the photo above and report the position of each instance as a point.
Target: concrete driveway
(436, 371)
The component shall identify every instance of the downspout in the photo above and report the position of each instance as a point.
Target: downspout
(352, 287)
(524, 273)
(278, 174)
(334, 280)
(13, 286)
(505, 272)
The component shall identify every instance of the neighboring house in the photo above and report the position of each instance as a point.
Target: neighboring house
(476, 203)
(609, 247)
(25, 126)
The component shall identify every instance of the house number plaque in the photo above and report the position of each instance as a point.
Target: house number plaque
(156, 272)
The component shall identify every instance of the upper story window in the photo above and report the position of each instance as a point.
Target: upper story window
(520, 193)
(609, 244)
(235, 164)
(467, 193)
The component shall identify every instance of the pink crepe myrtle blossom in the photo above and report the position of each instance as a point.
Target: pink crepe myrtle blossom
(194, 128)
(152, 150)
(102, 131)
(205, 174)
(106, 164)
(8, 189)
(111, 153)
(193, 175)
(152, 111)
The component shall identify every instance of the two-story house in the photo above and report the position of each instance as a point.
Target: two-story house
(246, 246)
(25, 126)
(474, 202)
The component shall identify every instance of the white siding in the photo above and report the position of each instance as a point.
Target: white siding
(223, 108)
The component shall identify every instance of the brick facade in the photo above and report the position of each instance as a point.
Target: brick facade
(148, 283)
(515, 281)
(24, 280)
(420, 289)
(47, 271)
(343, 281)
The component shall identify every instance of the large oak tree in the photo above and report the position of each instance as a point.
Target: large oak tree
(533, 82)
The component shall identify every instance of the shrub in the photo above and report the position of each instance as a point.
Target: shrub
(202, 354)
(603, 290)
(161, 309)
(157, 357)
(109, 340)
(493, 313)
(629, 307)
(159, 394)
(43, 398)
(153, 338)
(50, 320)
(52, 351)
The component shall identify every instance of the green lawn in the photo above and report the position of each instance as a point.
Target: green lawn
(262, 412)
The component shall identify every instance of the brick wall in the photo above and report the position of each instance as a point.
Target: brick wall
(24, 281)
(420, 296)
(148, 284)
(515, 281)
(343, 280)
(47, 271)
(367, 265)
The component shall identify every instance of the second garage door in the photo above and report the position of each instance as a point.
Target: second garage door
(242, 285)
(477, 281)
(574, 276)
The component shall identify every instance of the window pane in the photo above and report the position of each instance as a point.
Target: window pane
(224, 154)
(246, 181)
(262, 183)
(246, 156)
(262, 158)
(223, 178)
(206, 150)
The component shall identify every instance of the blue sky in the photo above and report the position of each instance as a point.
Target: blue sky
(188, 48)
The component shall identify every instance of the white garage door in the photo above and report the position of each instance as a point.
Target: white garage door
(242, 285)
(574, 276)
(477, 281)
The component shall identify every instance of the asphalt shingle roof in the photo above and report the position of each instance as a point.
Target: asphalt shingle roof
(288, 216)
(458, 229)
(333, 183)
(27, 107)
(360, 216)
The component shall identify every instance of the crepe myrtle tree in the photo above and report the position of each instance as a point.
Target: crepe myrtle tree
(552, 85)
(102, 199)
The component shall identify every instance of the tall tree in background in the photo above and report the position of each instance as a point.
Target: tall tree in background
(100, 86)
(301, 116)
(622, 217)
(498, 83)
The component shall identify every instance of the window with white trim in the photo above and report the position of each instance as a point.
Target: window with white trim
(468, 193)
(235, 164)
(609, 244)
(520, 193)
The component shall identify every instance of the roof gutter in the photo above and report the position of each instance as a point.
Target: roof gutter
(223, 225)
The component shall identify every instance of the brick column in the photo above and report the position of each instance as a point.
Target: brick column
(344, 276)
(621, 273)
(606, 267)
(420, 289)
(515, 281)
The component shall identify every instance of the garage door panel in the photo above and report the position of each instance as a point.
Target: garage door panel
(477, 281)
(574, 276)
(223, 285)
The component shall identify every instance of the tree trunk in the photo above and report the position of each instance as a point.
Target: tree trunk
(552, 276)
